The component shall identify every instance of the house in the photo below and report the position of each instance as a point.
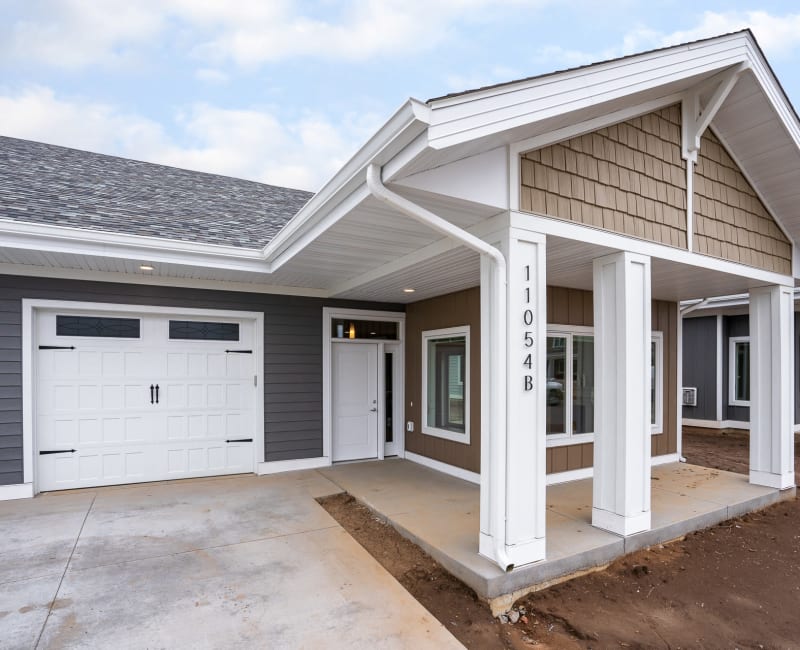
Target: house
(490, 287)
(716, 362)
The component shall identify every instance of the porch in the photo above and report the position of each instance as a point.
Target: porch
(440, 513)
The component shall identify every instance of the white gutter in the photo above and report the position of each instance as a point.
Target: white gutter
(498, 443)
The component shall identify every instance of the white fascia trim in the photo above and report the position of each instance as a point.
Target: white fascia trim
(589, 126)
(614, 241)
(412, 117)
(29, 270)
(81, 241)
(487, 112)
(16, 491)
(279, 466)
(444, 468)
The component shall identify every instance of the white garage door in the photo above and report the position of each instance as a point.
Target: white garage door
(126, 398)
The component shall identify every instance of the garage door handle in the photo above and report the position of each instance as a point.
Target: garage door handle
(152, 388)
(45, 452)
(241, 440)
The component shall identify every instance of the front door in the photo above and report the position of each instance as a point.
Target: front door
(354, 390)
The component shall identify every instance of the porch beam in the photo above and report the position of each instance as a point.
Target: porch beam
(622, 315)
(772, 386)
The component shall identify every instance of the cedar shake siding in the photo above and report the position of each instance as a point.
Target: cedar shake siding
(564, 307)
(730, 221)
(292, 355)
(628, 178)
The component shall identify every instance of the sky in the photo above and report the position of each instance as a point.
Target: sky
(286, 92)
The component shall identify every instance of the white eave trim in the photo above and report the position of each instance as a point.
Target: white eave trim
(82, 241)
(411, 120)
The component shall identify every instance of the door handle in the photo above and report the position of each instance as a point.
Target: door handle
(156, 393)
(151, 393)
(373, 410)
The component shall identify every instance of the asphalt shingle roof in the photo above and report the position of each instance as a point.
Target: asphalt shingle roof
(53, 185)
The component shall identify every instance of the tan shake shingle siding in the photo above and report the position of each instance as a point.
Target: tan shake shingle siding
(628, 178)
(730, 221)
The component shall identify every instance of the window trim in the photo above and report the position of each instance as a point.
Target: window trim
(732, 341)
(657, 426)
(433, 335)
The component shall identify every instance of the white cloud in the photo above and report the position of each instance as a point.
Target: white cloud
(74, 33)
(779, 35)
(246, 143)
(211, 75)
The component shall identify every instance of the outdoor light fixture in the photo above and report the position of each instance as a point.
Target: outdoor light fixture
(352, 332)
(146, 267)
(408, 290)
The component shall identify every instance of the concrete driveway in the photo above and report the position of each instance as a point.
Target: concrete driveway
(229, 562)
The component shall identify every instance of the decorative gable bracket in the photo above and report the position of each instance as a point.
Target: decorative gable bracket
(696, 118)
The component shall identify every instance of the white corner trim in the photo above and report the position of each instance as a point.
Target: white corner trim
(571, 475)
(16, 491)
(444, 468)
(278, 466)
(665, 459)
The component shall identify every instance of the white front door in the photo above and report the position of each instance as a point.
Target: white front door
(126, 398)
(354, 389)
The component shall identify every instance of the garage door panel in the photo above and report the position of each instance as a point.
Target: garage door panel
(96, 399)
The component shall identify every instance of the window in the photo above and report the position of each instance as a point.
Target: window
(739, 371)
(570, 385)
(99, 326)
(191, 330)
(657, 382)
(445, 383)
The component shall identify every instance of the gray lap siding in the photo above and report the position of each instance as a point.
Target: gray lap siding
(292, 355)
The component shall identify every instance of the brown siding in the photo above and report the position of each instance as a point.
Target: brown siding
(564, 307)
(628, 178)
(452, 310)
(729, 219)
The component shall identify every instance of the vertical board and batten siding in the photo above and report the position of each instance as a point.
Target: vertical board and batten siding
(292, 355)
(732, 326)
(452, 310)
(628, 178)
(564, 307)
(700, 366)
(730, 221)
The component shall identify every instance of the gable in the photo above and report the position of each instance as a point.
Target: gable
(730, 221)
(628, 178)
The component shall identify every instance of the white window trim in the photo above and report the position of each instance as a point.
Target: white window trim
(448, 332)
(732, 341)
(658, 425)
(568, 439)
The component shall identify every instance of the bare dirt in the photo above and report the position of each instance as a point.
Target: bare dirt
(736, 585)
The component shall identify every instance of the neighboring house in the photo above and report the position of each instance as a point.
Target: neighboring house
(490, 287)
(716, 363)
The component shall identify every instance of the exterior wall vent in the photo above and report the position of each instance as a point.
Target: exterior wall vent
(689, 396)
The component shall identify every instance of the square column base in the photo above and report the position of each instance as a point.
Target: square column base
(620, 524)
(519, 554)
(777, 481)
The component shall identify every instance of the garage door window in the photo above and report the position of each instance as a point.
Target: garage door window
(97, 326)
(190, 330)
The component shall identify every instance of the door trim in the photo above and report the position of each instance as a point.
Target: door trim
(30, 307)
(328, 314)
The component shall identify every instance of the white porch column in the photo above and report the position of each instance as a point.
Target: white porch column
(772, 387)
(622, 314)
(513, 389)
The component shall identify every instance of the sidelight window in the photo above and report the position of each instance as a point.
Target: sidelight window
(445, 379)
(739, 371)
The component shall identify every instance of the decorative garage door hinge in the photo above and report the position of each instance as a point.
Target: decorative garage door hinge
(240, 440)
(45, 452)
(239, 351)
(56, 347)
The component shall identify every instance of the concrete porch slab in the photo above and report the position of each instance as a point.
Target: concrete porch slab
(441, 514)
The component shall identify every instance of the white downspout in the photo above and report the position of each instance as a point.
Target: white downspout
(498, 342)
